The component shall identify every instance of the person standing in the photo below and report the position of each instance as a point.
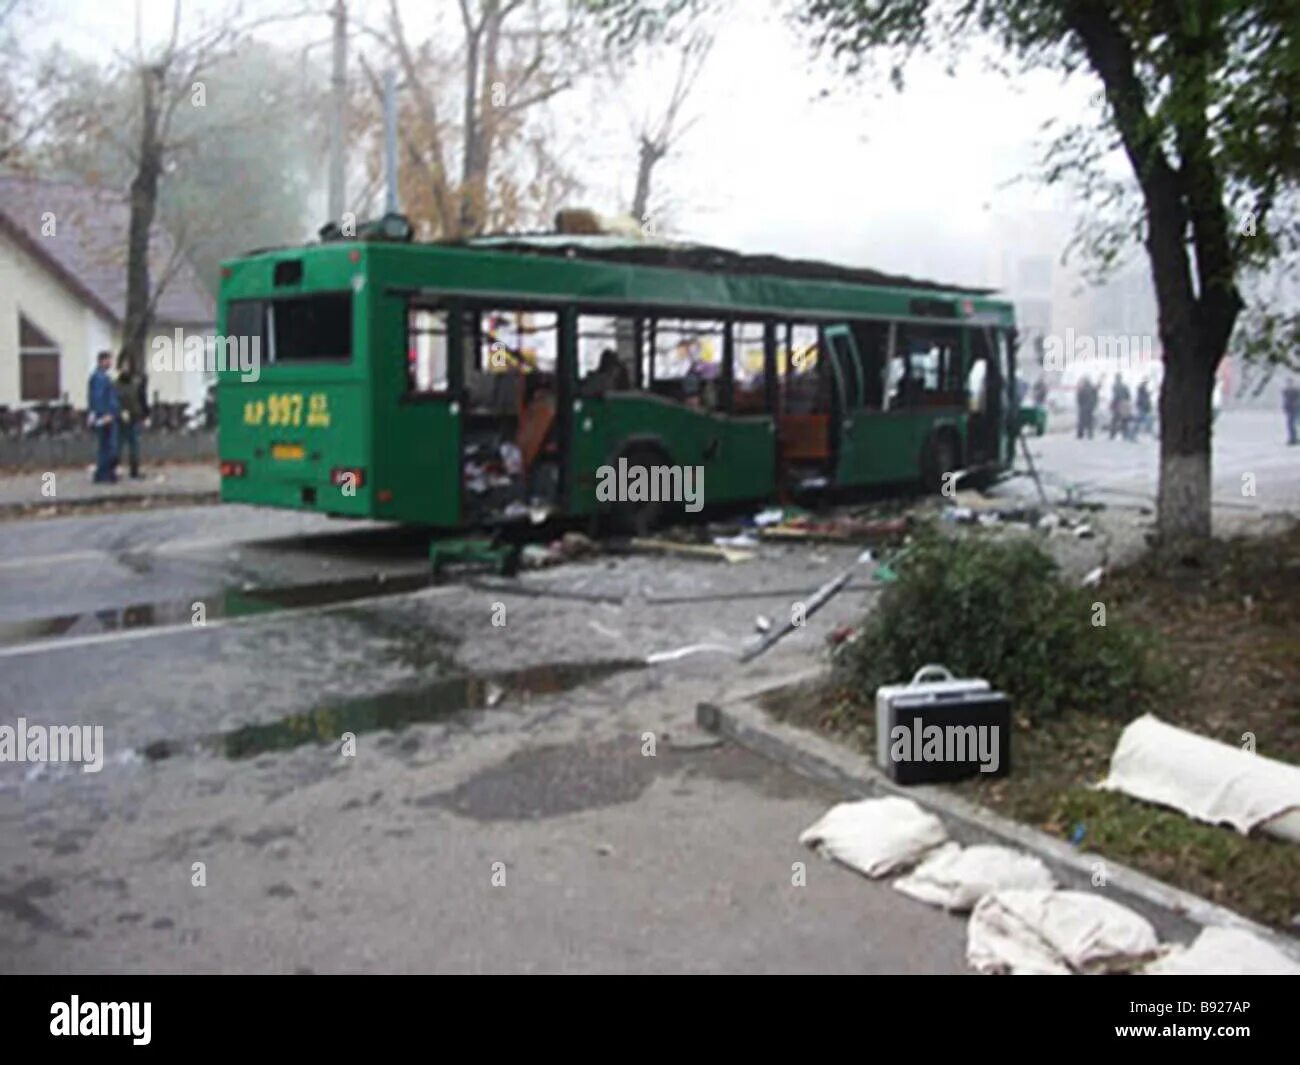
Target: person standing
(135, 409)
(1143, 404)
(1119, 408)
(1083, 407)
(1291, 408)
(103, 407)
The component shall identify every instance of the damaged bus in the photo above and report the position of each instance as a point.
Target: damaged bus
(473, 383)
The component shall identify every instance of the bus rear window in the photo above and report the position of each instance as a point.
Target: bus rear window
(298, 329)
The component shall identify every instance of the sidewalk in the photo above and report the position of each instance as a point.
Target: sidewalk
(27, 493)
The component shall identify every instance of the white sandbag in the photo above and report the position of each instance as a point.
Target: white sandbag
(1205, 779)
(1225, 952)
(1056, 933)
(876, 836)
(957, 878)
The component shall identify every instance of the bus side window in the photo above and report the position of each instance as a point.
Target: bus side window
(426, 350)
(512, 345)
(931, 374)
(749, 374)
(688, 361)
(873, 342)
(607, 355)
(804, 382)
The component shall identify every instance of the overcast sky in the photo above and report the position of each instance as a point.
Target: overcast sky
(905, 182)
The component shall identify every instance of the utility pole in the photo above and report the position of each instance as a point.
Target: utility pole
(339, 87)
(390, 141)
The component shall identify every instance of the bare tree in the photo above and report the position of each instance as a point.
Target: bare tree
(168, 77)
(27, 104)
(513, 57)
(656, 138)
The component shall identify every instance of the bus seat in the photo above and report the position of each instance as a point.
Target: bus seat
(804, 436)
(535, 426)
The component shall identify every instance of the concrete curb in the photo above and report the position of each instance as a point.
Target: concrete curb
(1176, 915)
(81, 505)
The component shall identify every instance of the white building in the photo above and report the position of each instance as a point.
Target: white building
(63, 292)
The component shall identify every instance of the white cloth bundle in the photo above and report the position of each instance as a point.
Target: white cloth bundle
(876, 836)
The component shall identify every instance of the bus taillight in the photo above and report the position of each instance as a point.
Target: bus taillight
(232, 469)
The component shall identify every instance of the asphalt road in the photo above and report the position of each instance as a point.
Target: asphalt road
(1254, 471)
(499, 814)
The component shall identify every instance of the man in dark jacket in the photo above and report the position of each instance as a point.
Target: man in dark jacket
(1291, 408)
(135, 409)
(102, 403)
(1086, 400)
(1145, 422)
(1121, 403)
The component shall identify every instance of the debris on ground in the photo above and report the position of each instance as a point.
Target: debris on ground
(778, 515)
(876, 836)
(535, 556)
(1056, 933)
(715, 552)
(741, 540)
(577, 545)
(659, 657)
(1207, 780)
(844, 529)
(798, 617)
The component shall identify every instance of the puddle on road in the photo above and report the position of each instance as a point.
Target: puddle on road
(232, 603)
(394, 710)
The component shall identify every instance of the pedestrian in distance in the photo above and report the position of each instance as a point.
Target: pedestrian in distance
(103, 407)
(134, 410)
(1145, 421)
(1291, 408)
(1085, 399)
(1121, 410)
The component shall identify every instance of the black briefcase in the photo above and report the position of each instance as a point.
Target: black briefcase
(938, 728)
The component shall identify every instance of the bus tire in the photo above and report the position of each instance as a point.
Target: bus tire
(640, 519)
(941, 454)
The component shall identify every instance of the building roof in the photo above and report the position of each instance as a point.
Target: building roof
(87, 251)
(682, 256)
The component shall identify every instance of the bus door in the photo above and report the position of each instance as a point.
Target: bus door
(985, 396)
(849, 393)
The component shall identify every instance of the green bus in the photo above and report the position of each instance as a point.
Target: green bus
(474, 383)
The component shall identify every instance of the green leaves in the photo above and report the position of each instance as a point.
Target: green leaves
(1000, 611)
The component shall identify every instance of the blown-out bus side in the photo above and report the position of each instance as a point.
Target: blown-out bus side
(333, 421)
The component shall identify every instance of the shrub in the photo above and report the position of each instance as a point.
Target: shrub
(998, 610)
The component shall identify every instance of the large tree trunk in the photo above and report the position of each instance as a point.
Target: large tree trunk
(144, 205)
(1187, 201)
(1183, 507)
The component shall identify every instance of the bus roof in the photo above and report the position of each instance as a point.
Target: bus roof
(704, 257)
(618, 270)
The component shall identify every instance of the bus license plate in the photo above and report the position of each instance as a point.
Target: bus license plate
(286, 451)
